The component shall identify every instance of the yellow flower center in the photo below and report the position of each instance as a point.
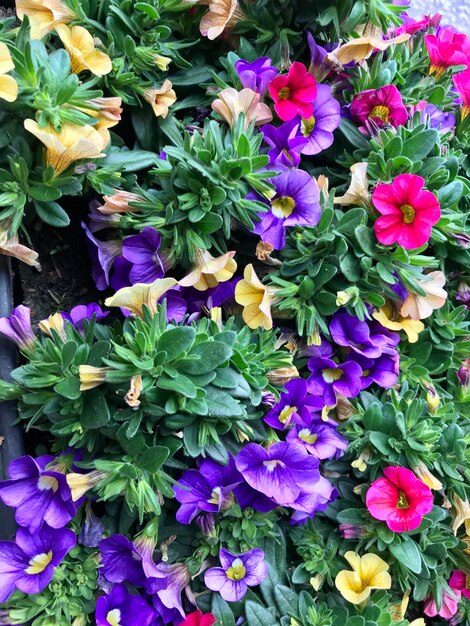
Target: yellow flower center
(366, 372)
(39, 563)
(307, 436)
(283, 93)
(215, 499)
(331, 374)
(237, 571)
(48, 482)
(283, 206)
(467, 582)
(307, 126)
(114, 617)
(286, 413)
(402, 501)
(381, 112)
(270, 465)
(408, 213)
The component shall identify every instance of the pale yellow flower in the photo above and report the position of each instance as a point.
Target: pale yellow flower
(209, 271)
(361, 48)
(132, 396)
(282, 375)
(369, 572)
(8, 85)
(80, 483)
(119, 202)
(256, 300)
(53, 322)
(222, 14)
(418, 622)
(389, 317)
(161, 62)
(427, 477)
(420, 307)
(399, 609)
(358, 190)
(12, 247)
(107, 111)
(80, 45)
(361, 462)
(231, 103)
(161, 99)
(462, 513)
(91, 376)
(44, 15)
(133, 298)
(71, 144)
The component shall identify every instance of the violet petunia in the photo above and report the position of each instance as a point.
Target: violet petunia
(238, 572)
(285, 143)
(324, 349)
(282, 472)
(17, 327)
(318, 65)
(78, 314)
(444, 121)
(103, 255)
(177, 578)
(28, 563)
(256, 75)
(294, 406)
(318, 129)
(328, 379)
(121, 608)
(39, 495)
(348, 331)
(320, 438)
(310, 502)
(382, 371)
(142, 252)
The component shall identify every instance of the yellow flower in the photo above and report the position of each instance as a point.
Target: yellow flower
(362, 47)
(399, 609)
(53, 322)
(12, 247)
(209, 271)
(369, 572)
(419, 307)
(427, 477)
(119, 202)
(256, 300)
(8, 85)
(418, 622)
(231, 103)
(71, 144)
(80, 45)
(134, 298)
(91, 376)
(462, 513)
(222, 14)
(361, 462)
(80, 483)
(44, 15)
(358, 191)
(389, 317)
(161, 99)
(161, 62)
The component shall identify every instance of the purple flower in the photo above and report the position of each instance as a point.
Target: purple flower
(282, 472)
(444, 121)
(92, 529)
(28, 563)
(318, 66)
(256, 75)
(320, 438)
(177, 577)
(348, 331)
(121, 608)
(103, 254)
(37, 494)
(318, 129)
(382, 370)
(295, 203)
(142, 252)
(82, 312)
(101, 221)
(294, 406)
(17, 327)
(286, 145)
(238, 572)
(327, 379)
(324, 350)
(309, 502)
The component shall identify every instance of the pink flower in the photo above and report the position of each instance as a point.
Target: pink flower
(447, 49)
(462, 84)
(382, 106)
(412, 26)
(448, 608)
(399, 499)
(294, 94)
(408, 212)
(459, 581)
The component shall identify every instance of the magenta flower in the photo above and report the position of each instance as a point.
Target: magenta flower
(381, 106)
(399, 498)
(408, 212)
(238, 572)
(256, 75)
(446, 49)
(17, 327)
(459, 581)
(328, 379)
(293, 93)
(449, 605)
(462, 84)
(120, 607)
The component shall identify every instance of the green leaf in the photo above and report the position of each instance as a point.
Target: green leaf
(181, 385)
(69, 388)
(221, 404)
(130, 160)
(221, 611)
(256, 615)
(52, 213)
(420, 144)
(407, 552)
(211, 354)
(95, 411)
(350, 221)
(153, 458)
(176, 341)
(286, 600)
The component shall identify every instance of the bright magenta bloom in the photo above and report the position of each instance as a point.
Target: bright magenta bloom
(382, 106)
(448, 608)
(462, 84)
(399, 499)
(408, 212)
(293, 94)
(199, 619)
(447, 49)
(459, 581)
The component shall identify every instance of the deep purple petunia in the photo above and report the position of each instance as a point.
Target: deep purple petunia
(282, 472)
(78, 314)
(238, 572)
(142, 252)
(256, 75)
(295, 203)
(121, 608)
(320, 438)
(328, 378)
(310, 502)
(17, 327)
(318, 65)
(103, 255)
(324, 350)
(348, 331)
(382, 370)
(37, 494)
(294, 406)
(285, 143)
(318, 129)
(28, 563)
(101, 221)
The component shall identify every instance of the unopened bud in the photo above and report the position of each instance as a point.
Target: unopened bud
(282, 375)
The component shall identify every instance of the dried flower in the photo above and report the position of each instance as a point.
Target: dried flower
(231, 103)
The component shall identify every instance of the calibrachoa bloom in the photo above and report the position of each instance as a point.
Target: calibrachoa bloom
(160, 99)
(222, 14)
(17, 327)
(328, 379)
(209, 271)
(293, 93)
(368, 572)
(399, 499)
(28, 563)
(80, 45)
(446, 49)
(444, 121)
(256, 75)
(238, 572)
(44, 15)
(459, 581)
(256, 299)
(449, 605)
(142, 252)
(318, 129)
(408, 211)
(363, 338)
(420, 307)
(389, 317)
(294, 406)
(230, 103)
(284, 142)
(78, 314)
(199, 619)
(8, 85)
(320, 438)
(122, 608)
(382, 106)
(309, 502)
(462, 84)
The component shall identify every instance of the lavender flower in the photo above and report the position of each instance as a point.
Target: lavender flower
(309, 502)
(383, 370)
(294, 406)
(318, 129)
(82, 312)
(323, 350)
(103, 254)
(142, 252)
(121, 608)
(256, 75)
(444, 121)
(28, 563)
(320, 438)
(348, 331)
(92, 529)
(177, 577)
(37, 494)
(318, 66)
(17, 327)
(238, 572)
(327, 379)
(286, 145)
